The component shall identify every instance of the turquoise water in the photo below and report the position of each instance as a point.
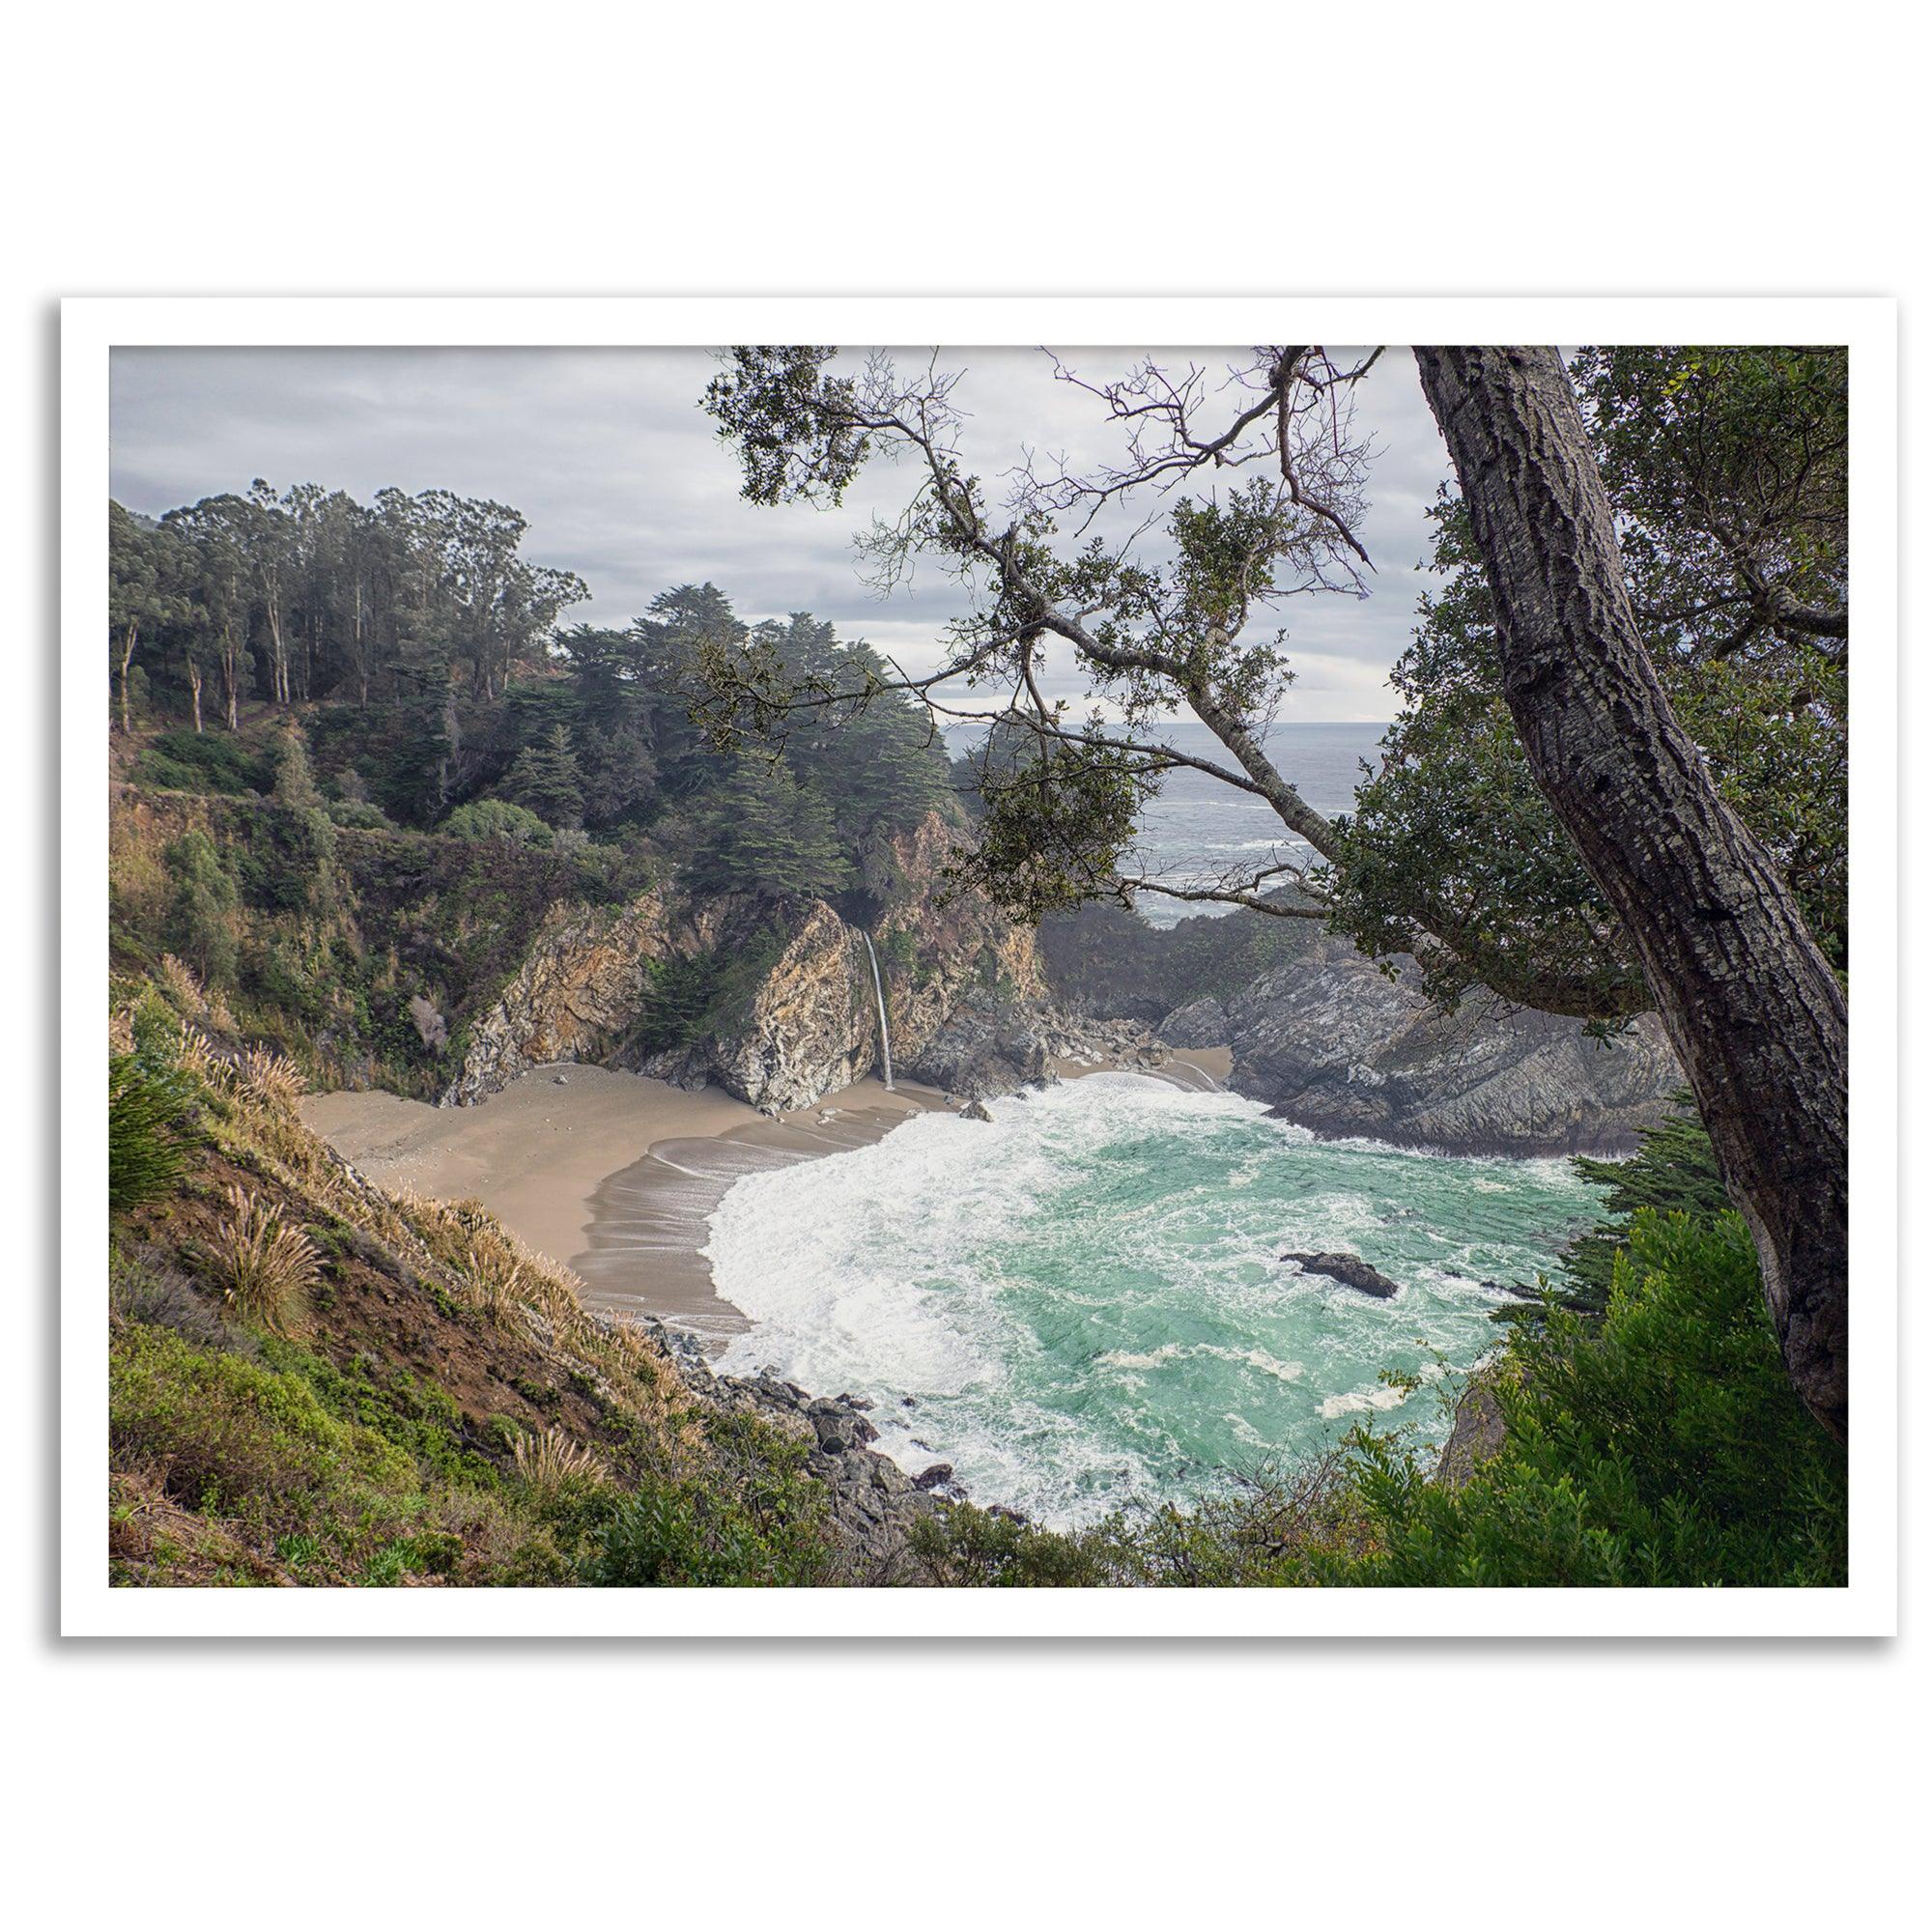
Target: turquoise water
(1083, 1298)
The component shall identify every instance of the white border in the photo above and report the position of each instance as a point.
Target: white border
(91, 327)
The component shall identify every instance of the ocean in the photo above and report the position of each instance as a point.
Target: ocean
(1080, 1305)
(1198, 829)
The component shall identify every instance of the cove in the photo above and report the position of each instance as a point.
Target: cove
(1079, 1303)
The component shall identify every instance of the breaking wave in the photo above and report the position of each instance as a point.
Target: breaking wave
(1080, 1305)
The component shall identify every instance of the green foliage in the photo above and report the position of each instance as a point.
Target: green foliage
(1054, 817)
(1452, 832)
(546, 780)
(199, 922)
(1674, 1172)
(1661, 1446)
(975, 1549)
(234, 1433)
(761, 1525)
(410, 1415)
(150, 1133)
(761, 832)
(200, 761)
(787, 419)
(686, 999)
(294, 778)
(496, 818)
(359, 814)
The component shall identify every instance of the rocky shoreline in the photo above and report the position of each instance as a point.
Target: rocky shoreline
(871, 1502)
(1346, 1047)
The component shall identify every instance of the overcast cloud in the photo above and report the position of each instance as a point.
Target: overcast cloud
(622, 479)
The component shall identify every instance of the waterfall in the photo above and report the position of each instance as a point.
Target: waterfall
(879, 993)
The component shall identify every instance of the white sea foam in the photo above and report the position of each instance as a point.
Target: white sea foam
(1081, 1296)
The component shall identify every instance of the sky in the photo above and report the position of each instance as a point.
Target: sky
(622, 478)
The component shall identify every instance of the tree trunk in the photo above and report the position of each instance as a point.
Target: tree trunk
(194, 689)
(231, 678)
(128, 639)
(1755, 1015)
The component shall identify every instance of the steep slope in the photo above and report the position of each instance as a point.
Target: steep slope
(315, 1381)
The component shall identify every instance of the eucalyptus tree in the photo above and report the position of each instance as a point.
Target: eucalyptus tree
(271, 555)
(216, 532)
(1154, 627)
(143, 592)
(503, 609)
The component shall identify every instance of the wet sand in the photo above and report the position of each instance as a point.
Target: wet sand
(617, 1173)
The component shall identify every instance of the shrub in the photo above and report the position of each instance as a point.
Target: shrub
(1674, 1171)
(995, 1549)
(200, 761)
(267, 1268)
(692, 1531)
(149, 1139)
(496, 818)
(294, 778)
(227, 1431)
(200, 920)
(360, 815)
(1662, 1446)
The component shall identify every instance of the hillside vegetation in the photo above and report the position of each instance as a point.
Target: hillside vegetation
(331, 872)
(313, 1381)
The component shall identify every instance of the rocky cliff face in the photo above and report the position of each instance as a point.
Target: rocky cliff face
(779, 1036)
(1327, 1039)
(809, 1025)
(573, 998)
(1332, 1042)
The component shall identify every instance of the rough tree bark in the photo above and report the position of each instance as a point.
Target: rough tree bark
(1755, 1015)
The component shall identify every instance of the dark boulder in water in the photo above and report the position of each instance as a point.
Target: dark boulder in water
(1350, 1270)
(939, 1476)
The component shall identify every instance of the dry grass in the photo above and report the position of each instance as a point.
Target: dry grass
(268, 1077)
(182, 988)
(550, 1463)
(460, 1247)
(267, 1268)
(199, 1058)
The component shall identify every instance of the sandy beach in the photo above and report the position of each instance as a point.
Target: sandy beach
(616, 1174)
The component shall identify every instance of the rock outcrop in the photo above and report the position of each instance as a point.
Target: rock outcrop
(1477, 1433)
(871, 1503)
(1327, 1039)
(1350, 1270)
(575, 996)
(988, 1047)
(1333, 1044)
(808, 1023)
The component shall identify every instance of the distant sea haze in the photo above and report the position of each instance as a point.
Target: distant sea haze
(1199, 829)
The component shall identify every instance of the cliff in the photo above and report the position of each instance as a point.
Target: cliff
(772, 1000)
(1328, 1039)
(1336, 1045)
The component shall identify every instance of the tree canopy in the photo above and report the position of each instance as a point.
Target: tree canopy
(1159, 575)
